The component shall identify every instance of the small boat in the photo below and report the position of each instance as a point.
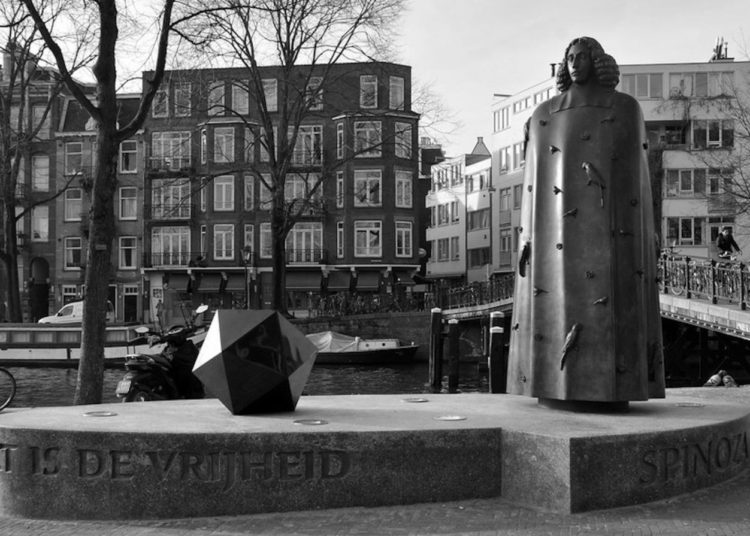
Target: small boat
(337, 348)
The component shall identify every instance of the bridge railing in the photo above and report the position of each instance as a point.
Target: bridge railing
(689, 277)
(708, 279)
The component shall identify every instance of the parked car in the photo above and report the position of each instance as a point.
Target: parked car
(72, 313)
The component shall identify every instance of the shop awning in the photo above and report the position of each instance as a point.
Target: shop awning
(303, 280)
(368, 280)
(338, 280)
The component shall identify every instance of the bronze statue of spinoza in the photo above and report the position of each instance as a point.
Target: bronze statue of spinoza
(586, 324)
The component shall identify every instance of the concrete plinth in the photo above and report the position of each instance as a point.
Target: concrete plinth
(194, 458)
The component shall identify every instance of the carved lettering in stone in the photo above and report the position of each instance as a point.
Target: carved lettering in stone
(7, 456)
(45, 461)
(694, 459)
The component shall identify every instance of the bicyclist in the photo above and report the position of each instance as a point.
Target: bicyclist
(725, 242)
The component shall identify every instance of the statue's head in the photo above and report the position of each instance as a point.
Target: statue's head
(593, 65)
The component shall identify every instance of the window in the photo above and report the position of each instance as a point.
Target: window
(506, 242)
(368, 91)
(685, 182)
(40, 122)
(367, 188)
(506, 163)
(298, 187)
(224, 242)
(720, 180)
(478, 219)
(266, 144)
(240, 104)
(129, 156)
(265, 240)
(519, 158)
(443, 215)
(367, 239)
(304, 242)
(73, 157)
(249, 238)
(504, 195)
(443, 251)
(182, 103)
(308, 150)
(270, 90)
(249, 191)
(160, 104)
(127, 253)
(340, 140)
(216, 99)
(403, 189)
(204, 146)
(367, 138)
(517, 196)
(478, 257)
(643, 85)
(501, 118)
(339, 189)
(72, 252)
(455, 213)
(224, 193)
(40, 173)
(703, 84)
(40, 223)
(396, 93)
(713, 133)
(265, 200)
(170, 199)
(685, 231)
(128, 203)
(249, 150)
(202, 238)
(455, 252)
(170, 246)
(69, 294)
(403, 239)
(340, 239)
(73, 204)
(224, 144)
(403, 140)
(170, 150)
(315, 93)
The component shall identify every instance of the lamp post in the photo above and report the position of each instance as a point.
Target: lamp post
(247, 257)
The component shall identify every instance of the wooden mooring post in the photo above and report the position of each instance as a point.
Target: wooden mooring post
(452, 355)
(497, 360)
(435, 369)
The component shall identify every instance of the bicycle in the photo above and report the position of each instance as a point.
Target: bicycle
(7, 388)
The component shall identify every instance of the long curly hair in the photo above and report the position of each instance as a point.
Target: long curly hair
(606, 71)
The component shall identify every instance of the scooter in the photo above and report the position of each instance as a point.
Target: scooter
(167, 375)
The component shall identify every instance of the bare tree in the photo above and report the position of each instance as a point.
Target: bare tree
(305, 39)
(104, 112)
(28, 92)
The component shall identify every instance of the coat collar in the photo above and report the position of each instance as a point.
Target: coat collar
(580, 97)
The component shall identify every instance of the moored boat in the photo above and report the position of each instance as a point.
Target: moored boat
(337, 348)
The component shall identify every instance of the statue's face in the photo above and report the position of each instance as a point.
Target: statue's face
(579, 63)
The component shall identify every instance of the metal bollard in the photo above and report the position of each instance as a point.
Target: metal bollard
(452, 356)
(497, 361)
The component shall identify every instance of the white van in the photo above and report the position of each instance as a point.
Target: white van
(72, 313)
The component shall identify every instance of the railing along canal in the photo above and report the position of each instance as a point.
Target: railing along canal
(688, 277)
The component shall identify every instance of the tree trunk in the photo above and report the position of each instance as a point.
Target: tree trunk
(101, 215)
(278, 247)
(10, 261)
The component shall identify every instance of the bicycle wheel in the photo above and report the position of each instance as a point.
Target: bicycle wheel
(7, 388)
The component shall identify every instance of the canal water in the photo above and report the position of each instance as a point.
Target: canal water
(38, 387)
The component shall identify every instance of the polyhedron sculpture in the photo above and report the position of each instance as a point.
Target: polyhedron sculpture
(255, 361)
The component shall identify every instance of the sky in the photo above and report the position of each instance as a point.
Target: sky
(467, 50)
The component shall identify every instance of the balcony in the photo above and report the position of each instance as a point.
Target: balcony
(168, 258)
(169, 163)
(169, 211)
(304, 256)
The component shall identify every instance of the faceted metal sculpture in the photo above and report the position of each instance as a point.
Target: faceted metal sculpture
(255, 361)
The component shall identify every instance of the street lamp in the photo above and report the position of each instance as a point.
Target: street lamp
(247, 257)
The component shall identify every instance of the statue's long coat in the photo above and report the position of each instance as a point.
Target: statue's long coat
(586, 323)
